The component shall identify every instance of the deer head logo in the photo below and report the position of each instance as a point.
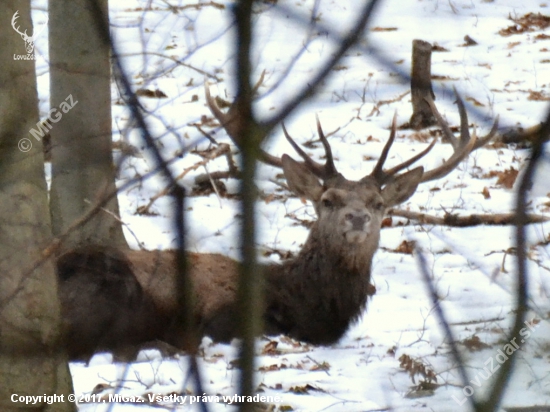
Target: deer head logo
(29, 41)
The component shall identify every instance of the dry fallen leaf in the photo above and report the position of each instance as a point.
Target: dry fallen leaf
(537, 96)
(387, 222)
(158, 94)
(474, 344)
(469, 41)
(405, 247)
(526, 23)
(270, 348)
(507, 178)
(383, 29)
(301, 390)
(416, 367)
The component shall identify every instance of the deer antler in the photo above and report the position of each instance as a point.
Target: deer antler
(232, 122)
(323, 172)
(462, 146)
(29, 41)
(382, 176)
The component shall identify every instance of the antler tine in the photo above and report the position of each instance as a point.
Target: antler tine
(447, 133)
(13, 22)
(325, 171)
(330, 167)
(412, 160)
(462, 147)
(378, 172)
(231, 118)
(382, 176)
(484, 140)
(231, 122)
(312, 165)
(225, 119)
(450, 164)
(464, 131)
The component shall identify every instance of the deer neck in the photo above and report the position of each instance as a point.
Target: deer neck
(317, 295)
(331, 257)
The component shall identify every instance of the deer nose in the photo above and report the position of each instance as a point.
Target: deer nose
(358, 219)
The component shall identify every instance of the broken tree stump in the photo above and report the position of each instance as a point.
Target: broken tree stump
(421, 85)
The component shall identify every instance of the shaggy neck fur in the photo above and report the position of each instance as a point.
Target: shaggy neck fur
(316, 296)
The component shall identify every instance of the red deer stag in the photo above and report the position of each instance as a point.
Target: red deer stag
(317, 295)
(313, 297)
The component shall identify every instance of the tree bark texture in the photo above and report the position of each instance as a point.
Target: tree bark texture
(31, 362)
(82, 162)
(421, 85)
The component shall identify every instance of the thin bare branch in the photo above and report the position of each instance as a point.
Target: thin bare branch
(365, 14)
(423, 266)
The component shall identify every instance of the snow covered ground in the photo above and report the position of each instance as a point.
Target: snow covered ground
(472, 268)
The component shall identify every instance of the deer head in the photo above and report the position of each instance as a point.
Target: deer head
(326, 188)
(29, 41)
(350, 210)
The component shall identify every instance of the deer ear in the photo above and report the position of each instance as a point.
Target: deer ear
(300, 180)
(403, 187)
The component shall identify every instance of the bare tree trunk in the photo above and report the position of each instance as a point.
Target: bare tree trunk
(421, 85)
(30, 360)
(82, 163)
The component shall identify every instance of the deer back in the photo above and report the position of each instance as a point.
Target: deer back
(103, 306)
(122, 301)
(214, 279)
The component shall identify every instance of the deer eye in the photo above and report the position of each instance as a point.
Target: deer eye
(379, 206)
(327, 203)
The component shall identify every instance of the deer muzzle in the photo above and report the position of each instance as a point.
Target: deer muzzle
(358, 220)
(357, 225)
